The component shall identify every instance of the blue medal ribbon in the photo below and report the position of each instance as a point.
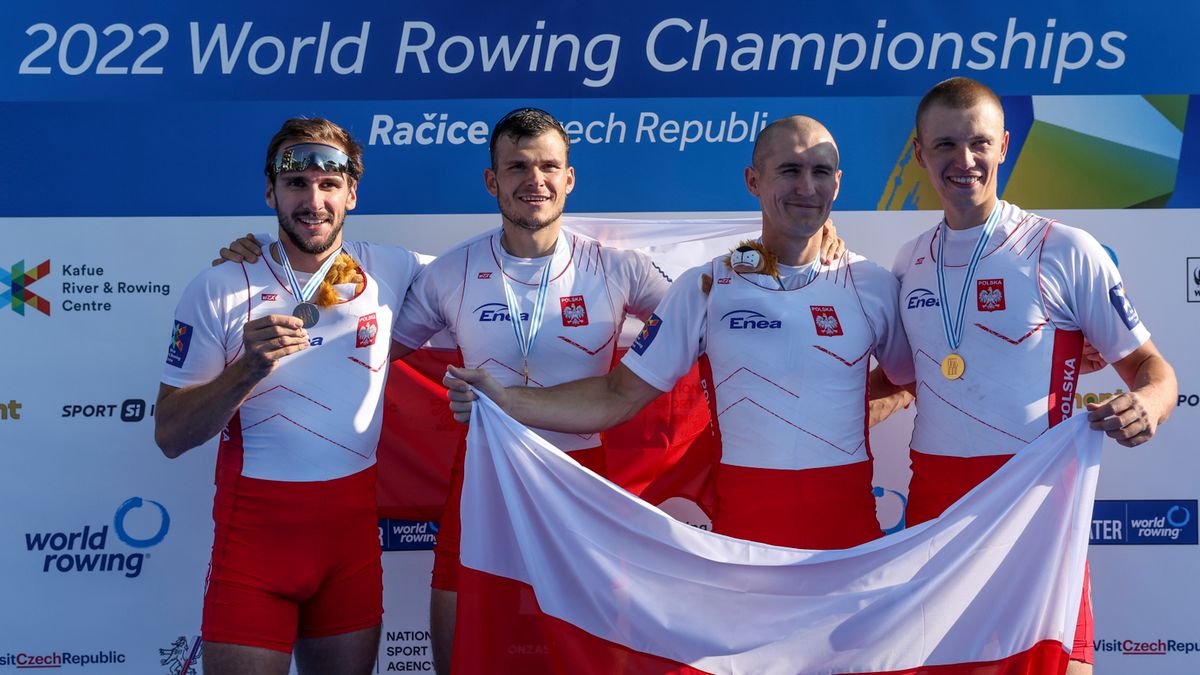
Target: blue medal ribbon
(954, 328)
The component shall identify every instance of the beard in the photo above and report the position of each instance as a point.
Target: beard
(309, 246)
(509, 214)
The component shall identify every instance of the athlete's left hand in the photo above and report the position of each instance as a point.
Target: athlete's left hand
(1124, 418)
(832, 246)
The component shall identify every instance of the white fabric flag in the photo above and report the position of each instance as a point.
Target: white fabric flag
(999, 574)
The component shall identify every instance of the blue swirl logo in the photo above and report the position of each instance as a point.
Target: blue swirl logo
(137, 503)
(1187, 516)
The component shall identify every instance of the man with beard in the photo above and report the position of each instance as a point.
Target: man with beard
(530, 302)
(283, 357)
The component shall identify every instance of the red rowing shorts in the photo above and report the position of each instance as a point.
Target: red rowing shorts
(293, 560)
(939, 480)
(445, 553)
(826, 508)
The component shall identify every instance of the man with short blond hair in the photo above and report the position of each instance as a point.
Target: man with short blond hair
(997, 357)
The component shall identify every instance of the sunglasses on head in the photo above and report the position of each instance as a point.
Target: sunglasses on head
(301, 156)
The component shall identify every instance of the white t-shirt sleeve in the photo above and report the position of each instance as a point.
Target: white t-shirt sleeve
(424, 311)
(879, 290)
(673, 336)
(904, 258)
(204, 333)
(1083, 291)
(643, 282)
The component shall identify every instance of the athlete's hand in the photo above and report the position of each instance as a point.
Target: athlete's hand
(459, 381)
(270, 338)
(1124, 418)
(1092, 360)
(832, 246)
(245, 249)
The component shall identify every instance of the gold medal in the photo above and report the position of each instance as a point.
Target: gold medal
(953, 366)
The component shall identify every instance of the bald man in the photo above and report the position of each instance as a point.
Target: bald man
(783, 343)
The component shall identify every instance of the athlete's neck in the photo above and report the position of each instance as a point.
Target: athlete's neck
(793, 251)
(965, 219)
(525, 243)
(301, 261)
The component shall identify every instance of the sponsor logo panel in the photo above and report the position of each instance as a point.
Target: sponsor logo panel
(84, 287)
(60, 659)
(1144, 647)
(181, 340)
(405, 651)
(407, 535)
(117, 548)
(129, 410)
(1145, 522)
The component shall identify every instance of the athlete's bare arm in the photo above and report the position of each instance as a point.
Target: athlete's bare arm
(885, 398)
(187, 417)
(1132, 418)
(583, 406)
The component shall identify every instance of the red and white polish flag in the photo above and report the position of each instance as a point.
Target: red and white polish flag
(613, 585)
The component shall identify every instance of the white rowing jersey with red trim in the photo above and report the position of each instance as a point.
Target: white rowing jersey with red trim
(789, 367)
(317, 416)
(592, 287)
(1038, 290)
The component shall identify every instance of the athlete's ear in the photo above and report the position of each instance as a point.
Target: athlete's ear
(270, 196)
(489, 181)
(751, 176)
(1004, 147)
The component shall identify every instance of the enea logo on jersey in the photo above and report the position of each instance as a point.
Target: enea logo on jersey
(989, 295)
(494, 311)
(647, 334)
(748, 319)
(138, 524)
(1120, 302)
(407, 535)
(181, 339)
(826, 321)
(368, 328)
(574, 311)
(1144, 522)
(16, 282)
(921, 297)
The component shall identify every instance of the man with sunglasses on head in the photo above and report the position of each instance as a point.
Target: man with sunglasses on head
(286, 359)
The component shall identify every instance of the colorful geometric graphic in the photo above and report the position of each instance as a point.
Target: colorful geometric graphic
(17, 295)
(1073, 152)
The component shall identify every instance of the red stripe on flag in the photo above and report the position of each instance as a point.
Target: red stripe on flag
(502, 631)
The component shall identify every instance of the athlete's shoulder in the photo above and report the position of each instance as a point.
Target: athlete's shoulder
(456, 257)
(867, 273)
